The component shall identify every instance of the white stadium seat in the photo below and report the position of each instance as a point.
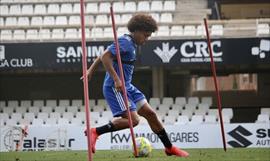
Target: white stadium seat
(107, 114)
(64, 102)
(91, 8)
(24, 122)
(55, 115)
(25, 103)
(4, 116)
(169, 5)
(167, 101)
(40, 9)
(27, 9)
(57, 33)
(155, 16)
(11, 21)
(204, 107)
(43, 116)
(29, 116)
(34, 109)
(130, 6)
(76, 102)
(32, 34)
(21, 109)
(166, 18)
(38, 103)
(19, 34)
(6, 35)
(180, 101)
(187, 113)
(102, 20)
(53, 9)
(200, 31)
(154, 101)
(207, 100)
(16, 116)
(2, 103)
(265, 111)
(61, 20)
(177, 30)
(169, 120)
(263, 118)
(47, 109)
(23, 21)
(196, 119)
(74, 20)
(4, 10)
(108, 32)
(102, 102)
(189, 30)
(104, 7)
(13, 103)
(49, 20)
(97, 32)
(216, 30)
(68, 115)
(51, 102)
(163, 31)
(173, 113)
(66, 8)
(8, 110)
(228, 112)
(2, 21)
(209, 119)
(156, 6)
(121, 31)
(263, 29)
(45, 34)
(193, 100)
(60, 109)
(71, 33)
(190, 107)
(98, 108)
(118, 7)
(143, 6)
(14, 9)
(125, 18)
(213, 112)
(11, 122)
(72, 109)
(77, 8)
(182, 120)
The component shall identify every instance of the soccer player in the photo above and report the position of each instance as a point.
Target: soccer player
(140, 26)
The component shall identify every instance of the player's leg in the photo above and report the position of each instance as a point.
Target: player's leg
(116, 103)
(150, 115)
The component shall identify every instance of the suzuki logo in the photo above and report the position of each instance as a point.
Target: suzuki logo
(2, 52)
(262, 49)
(165, 54)
(239, 134)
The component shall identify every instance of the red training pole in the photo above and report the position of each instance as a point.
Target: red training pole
(213, 67)
(123, 83)
(85, 82)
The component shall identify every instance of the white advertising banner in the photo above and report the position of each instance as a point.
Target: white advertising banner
(185, 136)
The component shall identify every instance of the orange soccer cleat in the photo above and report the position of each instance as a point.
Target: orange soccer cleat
(176, 151)
(94, 137)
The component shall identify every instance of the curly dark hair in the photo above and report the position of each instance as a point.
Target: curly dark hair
(142, 22)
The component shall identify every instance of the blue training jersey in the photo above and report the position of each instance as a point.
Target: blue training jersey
(127, 48)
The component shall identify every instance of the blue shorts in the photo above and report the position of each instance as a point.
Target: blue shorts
(116, 100)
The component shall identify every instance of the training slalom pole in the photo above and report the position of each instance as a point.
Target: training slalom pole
(213, 67)
(85, 82)
(123, 83)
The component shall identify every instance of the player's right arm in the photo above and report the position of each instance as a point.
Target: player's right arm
(107, 60)
(92, 68)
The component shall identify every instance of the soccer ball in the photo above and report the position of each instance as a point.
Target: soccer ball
(144, 147)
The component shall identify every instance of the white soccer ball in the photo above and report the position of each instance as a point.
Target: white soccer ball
(144, 147)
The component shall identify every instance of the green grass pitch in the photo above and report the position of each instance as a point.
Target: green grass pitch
(240, 154)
